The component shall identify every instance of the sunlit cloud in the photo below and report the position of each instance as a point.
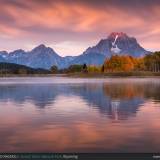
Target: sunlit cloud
(66, 23)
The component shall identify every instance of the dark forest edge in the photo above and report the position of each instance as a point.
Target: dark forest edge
(11, 69)
(116, 66)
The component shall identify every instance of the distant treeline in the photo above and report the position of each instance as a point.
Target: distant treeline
(11, 68)
(150, 62)
(117, 63)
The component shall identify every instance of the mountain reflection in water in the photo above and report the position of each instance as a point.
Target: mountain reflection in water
(46, 111)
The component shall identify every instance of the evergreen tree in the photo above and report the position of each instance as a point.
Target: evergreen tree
(85, 70)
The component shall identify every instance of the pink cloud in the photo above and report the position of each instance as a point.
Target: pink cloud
(61, 21)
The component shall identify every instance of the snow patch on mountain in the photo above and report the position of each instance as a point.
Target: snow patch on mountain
(114, 47)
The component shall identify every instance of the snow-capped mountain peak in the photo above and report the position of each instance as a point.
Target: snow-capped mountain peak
(119, 43)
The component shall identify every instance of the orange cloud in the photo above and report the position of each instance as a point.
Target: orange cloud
(61, 21)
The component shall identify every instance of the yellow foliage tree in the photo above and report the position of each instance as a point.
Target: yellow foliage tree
(119, 63)
(94, 69)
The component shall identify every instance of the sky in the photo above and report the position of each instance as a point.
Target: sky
(71, 26)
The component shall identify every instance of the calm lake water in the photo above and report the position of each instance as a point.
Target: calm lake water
(57, 114)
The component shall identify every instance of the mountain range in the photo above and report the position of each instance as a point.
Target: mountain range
(45, 57)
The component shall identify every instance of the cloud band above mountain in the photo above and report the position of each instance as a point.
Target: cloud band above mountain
(65, 23)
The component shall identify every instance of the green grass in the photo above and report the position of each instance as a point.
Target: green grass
(114, 74)
(91, 75)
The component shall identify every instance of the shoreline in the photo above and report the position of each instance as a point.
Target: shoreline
(92, 75)
(114, 75)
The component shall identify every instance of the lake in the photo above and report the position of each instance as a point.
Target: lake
(58, 114)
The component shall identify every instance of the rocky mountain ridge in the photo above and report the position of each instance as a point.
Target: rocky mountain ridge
(45, 57)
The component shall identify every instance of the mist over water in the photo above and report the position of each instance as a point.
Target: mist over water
(56, 114)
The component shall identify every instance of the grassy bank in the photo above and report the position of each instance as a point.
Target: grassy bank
(27, 75)
(89, 75)
(113, 74)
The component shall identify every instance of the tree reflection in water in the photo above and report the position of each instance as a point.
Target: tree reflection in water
(117, 100)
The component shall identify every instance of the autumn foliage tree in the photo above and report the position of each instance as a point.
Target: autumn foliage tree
(150, 62)
(138, 64)
(94, 69)
(119, 63)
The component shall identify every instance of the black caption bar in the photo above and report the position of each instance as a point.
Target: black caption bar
(80, 156)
